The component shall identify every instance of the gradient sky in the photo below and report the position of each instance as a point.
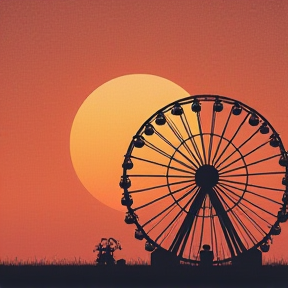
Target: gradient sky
(53, 54)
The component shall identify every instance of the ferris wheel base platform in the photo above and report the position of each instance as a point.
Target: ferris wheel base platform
(249, 258)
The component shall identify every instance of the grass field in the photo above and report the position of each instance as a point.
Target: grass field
(78, 273)
(80, 261)
(56, 261)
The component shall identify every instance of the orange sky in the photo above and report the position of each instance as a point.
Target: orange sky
(53, 54)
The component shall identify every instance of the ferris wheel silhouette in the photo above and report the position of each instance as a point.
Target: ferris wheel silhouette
(206, 170)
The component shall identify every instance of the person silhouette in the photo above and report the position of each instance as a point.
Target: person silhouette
(206, 256)
(106, 249)
(109, 254)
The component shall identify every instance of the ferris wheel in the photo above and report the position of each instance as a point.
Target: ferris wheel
(206, 169)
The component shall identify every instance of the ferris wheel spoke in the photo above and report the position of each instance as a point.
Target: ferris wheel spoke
(211, 135)
(155, 148)
(243, 156)
(213, 228)
(226, 224)
(226, 195)
(226, 236)
(163, 153)
(163, 165)
(160, 186)
(250, 192)
(254, 174)
(192, 236)
(231, 154)
(159, 176)
(228, 144)
(254, 223)
(249, 164)
(175, 148)
(177, 201)
(201, 136)
(162, 197)
(192, 140)
(222, 135)
(171, 205)
(252, 185)
(178, 214)
(170, 225)
(169, 232)
(159, 221)
(187, 223)
(177, 133)
(245, 230)
(244, 227)
(253, 204)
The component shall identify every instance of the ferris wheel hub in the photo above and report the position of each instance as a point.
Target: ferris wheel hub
(207, 176)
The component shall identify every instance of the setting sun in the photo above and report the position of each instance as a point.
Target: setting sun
(105, 124)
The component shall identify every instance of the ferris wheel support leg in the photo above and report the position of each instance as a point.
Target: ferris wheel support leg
(184, 231)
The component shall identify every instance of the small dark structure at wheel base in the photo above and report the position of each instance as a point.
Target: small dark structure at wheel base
(160, 257)
(249, 258)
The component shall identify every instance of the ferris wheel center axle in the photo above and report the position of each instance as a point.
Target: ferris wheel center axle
(207, 176)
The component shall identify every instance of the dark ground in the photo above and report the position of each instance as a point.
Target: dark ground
(87, 276)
